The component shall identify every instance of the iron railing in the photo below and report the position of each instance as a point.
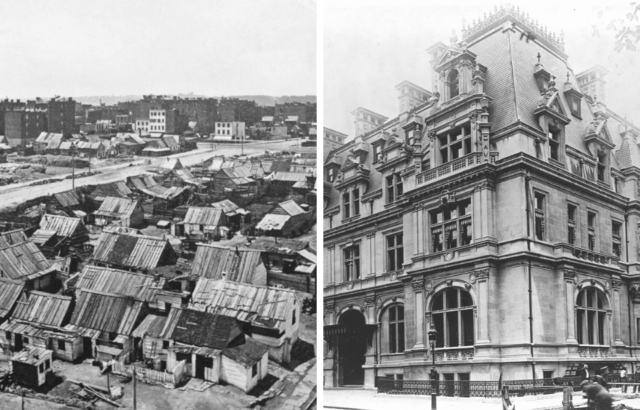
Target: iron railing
(474, 388)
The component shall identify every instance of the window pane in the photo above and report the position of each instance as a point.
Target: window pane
(599, 296)
(601, 324)
(452, 329)
(465, 299)
(467, 327)
(399, 258)
(590, 296)
(390, 241)
(579, 322)
(436, 217)
(437, 301)
(391, 262)
(400, 337)
(392, 338)
(591, 317)
(452, 298)
(392, 314)
(438, 322)
(399, 239)
(400, 309)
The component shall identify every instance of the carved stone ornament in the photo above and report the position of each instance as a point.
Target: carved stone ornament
(472, 277)
(634, 292)
(447, 199)
(467, 286)
(329, 307)
(473, 117)
(369, 300)
(482, 274)
(449, 283)
(569, 275)
(417, 285)
(616, 283)
(428, 285)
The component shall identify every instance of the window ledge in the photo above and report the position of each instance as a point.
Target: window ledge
(351, 218)
(556, 163)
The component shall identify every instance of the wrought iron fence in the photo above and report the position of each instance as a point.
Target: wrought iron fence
(474, 388)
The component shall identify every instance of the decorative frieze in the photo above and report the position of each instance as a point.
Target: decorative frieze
(570, 275)
(585, 351)
(454, 355)
(616, 283)
(417, 285)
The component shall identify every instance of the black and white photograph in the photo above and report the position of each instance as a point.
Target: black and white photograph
(158, 204)
(481, 205)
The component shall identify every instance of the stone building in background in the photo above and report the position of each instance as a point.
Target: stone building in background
(502, 207)
(332, 139)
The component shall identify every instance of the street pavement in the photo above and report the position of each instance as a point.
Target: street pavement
(15, 194)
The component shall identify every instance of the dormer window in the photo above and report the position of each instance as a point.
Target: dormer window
(453, 82)
(331, 174)
(377, 151)
(554, 144)
(574, 102)
(602, 166)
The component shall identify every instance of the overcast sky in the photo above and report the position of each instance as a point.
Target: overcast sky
(371, 47)
(115, 47)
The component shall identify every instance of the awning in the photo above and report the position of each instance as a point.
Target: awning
(340, 330)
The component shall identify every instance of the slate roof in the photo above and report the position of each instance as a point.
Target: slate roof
(203, 216)
(629, 154)
(212, 261)
(269, 307)
(136, 251)
(118, 282)
(105, 312)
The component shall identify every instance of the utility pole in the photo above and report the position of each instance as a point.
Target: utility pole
(134, 387)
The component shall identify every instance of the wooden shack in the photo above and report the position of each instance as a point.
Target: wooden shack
(24, 262)
(201, 221)
(135, 253)
(65, 231)
(121, 211)
(32, 367)
(237, 265)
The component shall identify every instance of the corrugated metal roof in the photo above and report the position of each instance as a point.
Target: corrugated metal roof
(23, 261)
(140, 286)
(291, 208)
(278, 245)
(238, 172)
(203, 216)
(68, 198)
(117, 189)
(149, 186)
(9, 293)
(32, 355)
(204, 329)
(42, 308)
(105, 312)
(273, 222)
(265, 306)
(114, 206)
(288, 176)
(136, 251)
(226, 205)
(63, 225)
(212, 261)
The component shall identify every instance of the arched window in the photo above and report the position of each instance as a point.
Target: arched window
(393, 329)
(454, 83)
(591, 317)
(452, 316)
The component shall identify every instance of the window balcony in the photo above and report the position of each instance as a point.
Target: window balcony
(594, 351)
(453, 354)
(453, 167)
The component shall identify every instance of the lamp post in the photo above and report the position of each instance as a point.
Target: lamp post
(433, 337)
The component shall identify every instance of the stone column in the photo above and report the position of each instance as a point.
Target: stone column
(371, 243)
(617, 329)
(569, 283)
(370, 355)
(331, 263)
(482, 285)
(477, 213)
(418, 291)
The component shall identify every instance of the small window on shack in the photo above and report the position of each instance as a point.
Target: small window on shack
(254, 370)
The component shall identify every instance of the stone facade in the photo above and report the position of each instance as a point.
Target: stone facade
(503, 210)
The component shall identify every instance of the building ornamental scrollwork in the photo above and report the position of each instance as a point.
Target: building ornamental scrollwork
(616, 283)
(570, 275)
(329, 307)
(369, 301)
(417, 285)
(482, 274)
(634, 292)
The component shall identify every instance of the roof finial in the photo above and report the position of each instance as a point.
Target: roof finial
(539, 56)
(454, 38)
(568, 77)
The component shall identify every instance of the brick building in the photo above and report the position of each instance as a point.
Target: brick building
(332, 139)
(305, 112)
(235, 109)
(503, 211)
(61, 116)
(23, 127)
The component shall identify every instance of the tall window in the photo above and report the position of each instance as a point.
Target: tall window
(377, 152)
(452, 315)
(616, 228)
(395, 317)
(455, 144)
(602, 165)
(539, 215)
(591, 315)
(554, 143)
(591, 227)
(451, 226)
(454, 84)
(346, 204)
(331, 174)
(352, 262)
(356, 202)
(571, 222)
(395, 256)
(394, 187)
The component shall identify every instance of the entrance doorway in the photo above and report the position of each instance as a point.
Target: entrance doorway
(352, 348)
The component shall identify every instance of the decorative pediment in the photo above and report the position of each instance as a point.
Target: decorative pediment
(551, 104)
(597, 135)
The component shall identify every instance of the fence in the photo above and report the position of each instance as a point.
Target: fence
(152, 376)
(473, 388)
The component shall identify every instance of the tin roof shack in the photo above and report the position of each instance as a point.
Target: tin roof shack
(37, 321)
(286, 219)
(24, 262)
(201, 223)
(120, 211)
(114, 189)
(32, 367)
(67, 201)
(237, 180)
(10, 291)
(106, 321)
(271, 314)
(135, 253)
(237, 217)
(147, 187)
(237, 265)
(118, 282)
(283, 183)
(58, 234)
(279, 254)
